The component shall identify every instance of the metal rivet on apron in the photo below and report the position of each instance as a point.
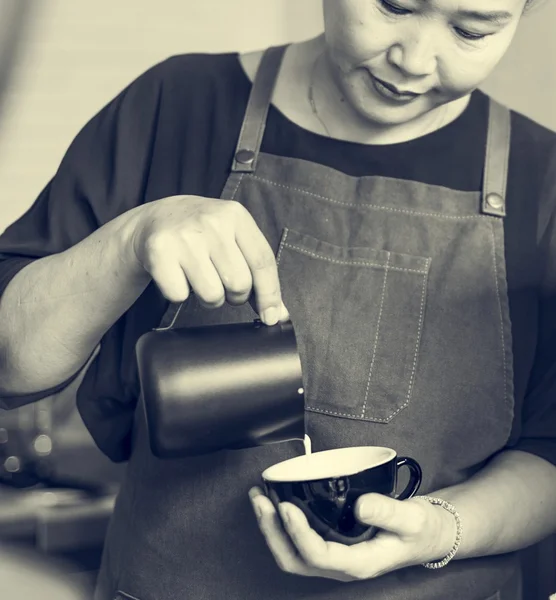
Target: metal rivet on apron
(245, 157)
(495, 201)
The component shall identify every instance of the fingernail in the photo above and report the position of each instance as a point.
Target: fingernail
(270, 316)
(284, 314)
(254, 492)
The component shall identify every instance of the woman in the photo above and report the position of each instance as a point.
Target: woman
(385, 185)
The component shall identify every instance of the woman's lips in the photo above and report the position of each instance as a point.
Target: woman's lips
(391, 92)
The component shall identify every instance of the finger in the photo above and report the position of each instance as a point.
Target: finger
(316, 552)
(232, 269)
(264, 271)
(388, 514)
(161, 263)
(278, 542)
(284, 313)
(171, 280)
(202, 276)
(384, 553)
(254, 492)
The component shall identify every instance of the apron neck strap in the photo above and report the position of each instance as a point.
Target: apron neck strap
(248, 147)
(254, 122)
(496, 162)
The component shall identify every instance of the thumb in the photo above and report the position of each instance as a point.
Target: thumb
(383, 512)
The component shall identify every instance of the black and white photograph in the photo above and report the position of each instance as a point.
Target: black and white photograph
(278, 300)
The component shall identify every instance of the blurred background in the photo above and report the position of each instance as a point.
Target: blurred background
(60, 62)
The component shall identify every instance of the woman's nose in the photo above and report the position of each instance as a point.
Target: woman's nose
(414, 56)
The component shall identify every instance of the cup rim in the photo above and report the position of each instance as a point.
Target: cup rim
(357, 468)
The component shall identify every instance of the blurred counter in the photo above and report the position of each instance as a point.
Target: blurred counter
(66, 526)
(55, 521)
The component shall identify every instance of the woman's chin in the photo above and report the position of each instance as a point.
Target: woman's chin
(384, 116)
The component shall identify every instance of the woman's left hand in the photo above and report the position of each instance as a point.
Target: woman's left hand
(411, 532)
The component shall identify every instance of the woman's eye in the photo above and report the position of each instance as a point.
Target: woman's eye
(468, 35)
(394, 9)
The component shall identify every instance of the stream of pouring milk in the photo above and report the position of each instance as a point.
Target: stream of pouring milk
(307, 445)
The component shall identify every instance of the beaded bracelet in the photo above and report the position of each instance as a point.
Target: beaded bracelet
(451, 509)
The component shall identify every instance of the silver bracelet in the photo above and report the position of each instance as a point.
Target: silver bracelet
(451, 509)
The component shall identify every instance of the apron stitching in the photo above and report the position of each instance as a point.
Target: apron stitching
(414, 368)
(500, 314)
(507, 138)
(372, 206)
(363, 263)
(240, 179)
(419, 332)
(282, 244)
(377, 335)
(335, 413)
(418, 341)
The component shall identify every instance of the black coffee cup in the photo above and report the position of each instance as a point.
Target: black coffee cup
(326, 485)
(210, 388)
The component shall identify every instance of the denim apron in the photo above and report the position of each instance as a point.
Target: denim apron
(398, 293)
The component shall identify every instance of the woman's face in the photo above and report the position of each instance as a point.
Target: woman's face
(395, 60)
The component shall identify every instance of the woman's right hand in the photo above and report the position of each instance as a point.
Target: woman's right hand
(211, 247)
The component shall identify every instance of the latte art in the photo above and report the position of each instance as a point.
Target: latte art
(336, 463)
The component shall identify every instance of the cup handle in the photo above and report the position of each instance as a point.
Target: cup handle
(415, 476)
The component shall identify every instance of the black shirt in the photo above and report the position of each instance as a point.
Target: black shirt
(175, 129)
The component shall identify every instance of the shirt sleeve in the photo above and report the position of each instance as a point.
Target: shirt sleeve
(538, 427)
(102, 175)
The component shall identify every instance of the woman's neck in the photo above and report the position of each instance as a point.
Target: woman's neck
(307, 94)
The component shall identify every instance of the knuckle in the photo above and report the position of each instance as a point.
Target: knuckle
(234, 300)
(264, 260)
(387, 511)
(210, 221)
(238, 286)
(212, 297)
(271, 298)
(215, 301)
(285, 564)
(212, 305)
(357, 574)
(181, 296)
(319, 560)
(418, 523)
(157, 243)
(234, 207)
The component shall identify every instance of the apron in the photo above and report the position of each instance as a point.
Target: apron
(398, 294)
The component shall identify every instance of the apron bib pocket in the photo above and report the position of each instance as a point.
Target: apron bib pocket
(358, 314)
